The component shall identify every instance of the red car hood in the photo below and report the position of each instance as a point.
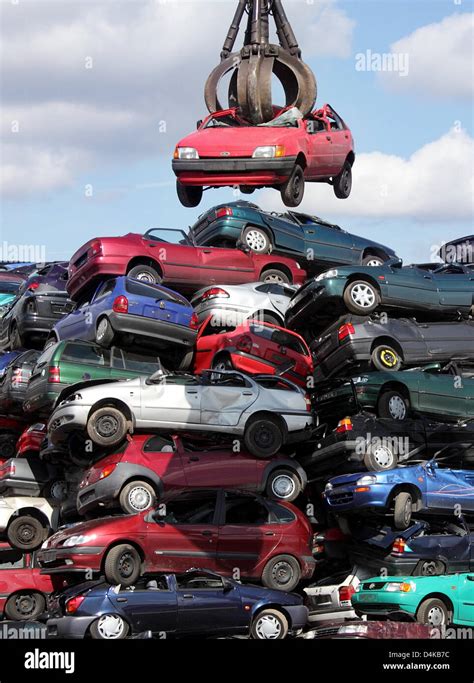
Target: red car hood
(100, 527)
(211, 142)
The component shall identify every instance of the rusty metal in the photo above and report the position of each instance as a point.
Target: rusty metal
(250, 86)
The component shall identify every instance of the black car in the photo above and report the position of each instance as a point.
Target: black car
(14, 380)
(444, 547)
(365, 442)
(31, 316)
(388, 344)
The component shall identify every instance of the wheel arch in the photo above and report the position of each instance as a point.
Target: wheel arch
(374, 251)
(114, 403)
(412, 489)
(277, 266)
(351, 157)
(31, 512)
(277, 607)
(301, 160)
(285, 464)
(438, 596)
(122, 541)
(390, 341)
(144, 261)
(267, 414)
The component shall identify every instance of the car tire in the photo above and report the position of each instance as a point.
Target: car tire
(137, 496)
(402, 510)
(107, 426)
(257, 240)
(431, 568)
(292, 190)
(275, 275)
(16, 340)
(434, 612)
(145, 273)
(281, 573)
(361, 297)
(221, 363)
(8, 445)
(263, 436)
(25, 606)
(269, 624)
(373, 260)
(189, 195)
(393, 405)
(342, 183)
(283, 484)
(380, 458)
(109, 627)
(122, 565)
(56, 489)
(186, 361)
(385, 357)
(104, 333)
(247, 189)
(26, 533)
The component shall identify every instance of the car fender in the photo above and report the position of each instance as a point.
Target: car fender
(284, 463)
(129, 471)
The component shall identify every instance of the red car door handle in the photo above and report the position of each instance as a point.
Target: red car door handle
(207, 251)
(269, 533)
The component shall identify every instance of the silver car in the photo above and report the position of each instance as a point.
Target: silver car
(232, 304)
(267, 411)
(330, 598)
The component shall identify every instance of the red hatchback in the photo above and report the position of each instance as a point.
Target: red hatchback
(168, 256)
(255, 348)
(149, 466)
(226, 150)
(31, 440)
(235, 533)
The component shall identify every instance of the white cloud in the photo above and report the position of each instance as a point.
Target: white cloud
(440, 59)
(436, 183)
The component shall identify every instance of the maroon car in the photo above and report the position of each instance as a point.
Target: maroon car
(232, 532)
(169, 256)
(30, 440)
(150, 466)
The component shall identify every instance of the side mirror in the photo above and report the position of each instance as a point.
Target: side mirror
(198, 123)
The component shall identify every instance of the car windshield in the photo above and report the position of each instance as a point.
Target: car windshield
(168, 235)
(226, 121)
(140, 288)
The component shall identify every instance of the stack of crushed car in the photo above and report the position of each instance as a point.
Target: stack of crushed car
(296, 411)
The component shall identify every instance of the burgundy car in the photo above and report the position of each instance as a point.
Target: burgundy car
(149, 466)
(284, 153)
(232, 532)
(169, 256)
(30, 440)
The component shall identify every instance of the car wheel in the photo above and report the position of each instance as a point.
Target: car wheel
(107, 426)
(122, 565)
(431, 568)
(402, 510)
(15, 338)
(361, 296)
(136, 497)
(247, 189)
(283, 485)
(25, 606)
(109, 627)
(282, 573)
(434, 612)
(104, 334)
(221, 364)
(393, 405)
(384, 357)
(26, 533)
(189, 195)
(57, 490)
(257, 240)
(292, 190)
(8, 445)
(146, 274)
(372, 260)
(380, 457)
(342, 183)
(269, 624)
(263, 437)
(275, 275)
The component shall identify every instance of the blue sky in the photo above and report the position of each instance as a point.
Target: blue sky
(133, 187)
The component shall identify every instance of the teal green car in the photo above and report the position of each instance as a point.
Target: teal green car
(443, 392)
(433, 600)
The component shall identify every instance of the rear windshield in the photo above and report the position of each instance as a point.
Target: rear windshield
(83, 353)
(9, 287)
(136, 362)
(141, 289)
(278, 337)
(11, 559)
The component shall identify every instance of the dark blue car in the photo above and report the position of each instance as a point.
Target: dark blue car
(133, 312)
(426, 488)
(197, 602)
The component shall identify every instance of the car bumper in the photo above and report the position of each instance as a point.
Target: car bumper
(298, 616)
(337, 359)
(67, 418)
(155, 329)
(233, 171)
(322, 294)
(36, 325)
(74, 559)
(346, 499)
(222, 313)
(96, 267)
(21, 487)
(69, 627)
(380, 605)
(404, 565)
(42, 401)
(103, 491)
(330, 613)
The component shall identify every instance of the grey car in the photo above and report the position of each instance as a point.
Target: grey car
(232, 304)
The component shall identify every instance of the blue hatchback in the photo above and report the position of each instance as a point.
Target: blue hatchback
(426, 488)
(132, 312)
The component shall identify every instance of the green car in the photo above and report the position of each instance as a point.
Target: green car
(443, 392)
(70, 361)
(432, 600)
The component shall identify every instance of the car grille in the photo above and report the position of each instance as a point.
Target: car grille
(84, 497)
(58, 308)
(341, 498)
(372, 586)
(385, 607)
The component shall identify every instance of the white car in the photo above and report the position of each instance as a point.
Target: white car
(27, 521)
(267, 411)
(330, 598)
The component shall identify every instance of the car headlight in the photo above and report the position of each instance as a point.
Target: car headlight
(326, 275)
(367, 480)
(269, 152)
(186, 153)
(78, 540)
(329, 487)
(399, 587)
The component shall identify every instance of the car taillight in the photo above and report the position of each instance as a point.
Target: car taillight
(345, 331)
(346, 593)
(17, 375)
(54, 374)
(399, 546)
(309, 405)
(8, 470)
(107, 471)
(120, 304)
(224, 211)
(244, 344)
(73, 604)
(194, 322)
(95, 248)
(214, 292)
(33, 285)
(344, 425)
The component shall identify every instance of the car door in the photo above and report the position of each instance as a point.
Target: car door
(224, 397)
(151, 606)
(226, 266)
(278, 296)
(445, 393)
(327, 245)
(101, 301)
(206, 603)
(410, 286)
(172, 402)
(320, 155)
(341, 140)
(445, 340)
(465, 599)
(247, 534)
(217, 467)
(446, 488)
(179, 259)
(455, 286)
